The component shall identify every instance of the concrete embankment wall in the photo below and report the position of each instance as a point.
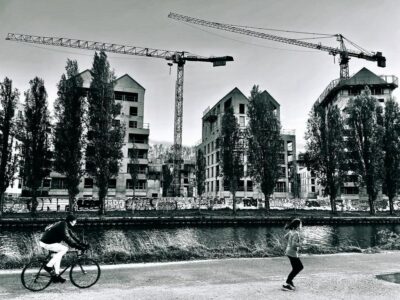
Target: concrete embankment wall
(197, 221)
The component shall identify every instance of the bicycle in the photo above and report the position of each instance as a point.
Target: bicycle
(84, 272)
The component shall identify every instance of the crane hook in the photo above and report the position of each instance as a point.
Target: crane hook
(170, 65)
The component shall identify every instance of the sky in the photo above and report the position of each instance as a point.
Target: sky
(294, 76)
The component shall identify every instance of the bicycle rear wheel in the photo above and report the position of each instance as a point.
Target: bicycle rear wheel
(85, 273)
(34, 277)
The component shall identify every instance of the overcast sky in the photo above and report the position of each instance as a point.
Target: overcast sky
(294, 76)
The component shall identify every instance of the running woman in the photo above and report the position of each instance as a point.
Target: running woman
(292, 252)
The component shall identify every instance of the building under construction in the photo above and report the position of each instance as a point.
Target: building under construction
(340, 91)
(210, 145)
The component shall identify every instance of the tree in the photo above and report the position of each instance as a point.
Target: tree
(105, 133)
(8, 129)
(265, 143)
(200, 173)
(326, 149)
(68, 133)
(365, 122)
(391, 147)
(231, 152)
(35, 139)
(166, 178)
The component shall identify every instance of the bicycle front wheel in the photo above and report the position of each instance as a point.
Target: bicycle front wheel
(34, 277)
(85, 273)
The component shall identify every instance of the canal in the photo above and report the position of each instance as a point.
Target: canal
(128, 244)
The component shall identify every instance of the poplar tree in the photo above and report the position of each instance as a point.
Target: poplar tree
(200, 173)
(325, 146)
(68, 133)
(35, 139)
(231, 152)
(365, 120)
(8, 129)
(105, 137)
(265, 143)
(391, 147)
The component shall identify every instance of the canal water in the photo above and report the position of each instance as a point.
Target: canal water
(165, 244)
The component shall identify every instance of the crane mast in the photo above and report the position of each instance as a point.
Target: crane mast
(344, 53)
(177, 57)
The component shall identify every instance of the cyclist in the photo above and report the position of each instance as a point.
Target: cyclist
(51, 240)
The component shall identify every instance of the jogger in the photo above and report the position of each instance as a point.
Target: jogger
(292, 252)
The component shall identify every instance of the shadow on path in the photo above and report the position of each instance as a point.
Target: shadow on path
(393, 277)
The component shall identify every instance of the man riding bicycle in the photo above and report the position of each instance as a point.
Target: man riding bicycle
(51, 240)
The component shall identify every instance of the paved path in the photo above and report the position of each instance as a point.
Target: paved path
(339, 276)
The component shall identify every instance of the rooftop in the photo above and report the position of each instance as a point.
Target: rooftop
(362, 77)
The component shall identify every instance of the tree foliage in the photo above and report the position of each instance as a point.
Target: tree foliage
(69, 140)
(231, 152)
(326, 149)
(365, 121)
(36, 139)
(200, 172)
(8, 129)
(391, 147)
(105, 137)
(167, 178)
(265, 143)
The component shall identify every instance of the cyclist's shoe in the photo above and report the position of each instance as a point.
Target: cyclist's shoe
(58, 279)
(49, 269)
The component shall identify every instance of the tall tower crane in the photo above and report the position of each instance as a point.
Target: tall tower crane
(175, 57)
(344, 53)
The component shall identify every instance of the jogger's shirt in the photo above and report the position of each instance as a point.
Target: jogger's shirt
(292, 248)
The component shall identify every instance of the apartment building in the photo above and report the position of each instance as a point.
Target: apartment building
(130, 94)
(339, 92)
(210, 145)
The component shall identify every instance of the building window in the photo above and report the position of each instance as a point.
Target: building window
(313, 189)
(241, 109)
(129, 184)
(46, 183)
(249, 186)
(133, 111)
(212, 186)
(132, 124)
(137, 138)
(217, 171)
(58, 184)
(112, 183)
(227, 104)
(118, 96)
(88, 183)
(132, 97)
(217, 186)
(280, 187)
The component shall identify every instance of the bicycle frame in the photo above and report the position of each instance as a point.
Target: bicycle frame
(70, 264)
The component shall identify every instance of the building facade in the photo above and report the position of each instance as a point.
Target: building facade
(130, 95)
(210, 145)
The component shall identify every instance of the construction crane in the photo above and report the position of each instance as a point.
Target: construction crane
(175, 57)
(344, 53)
